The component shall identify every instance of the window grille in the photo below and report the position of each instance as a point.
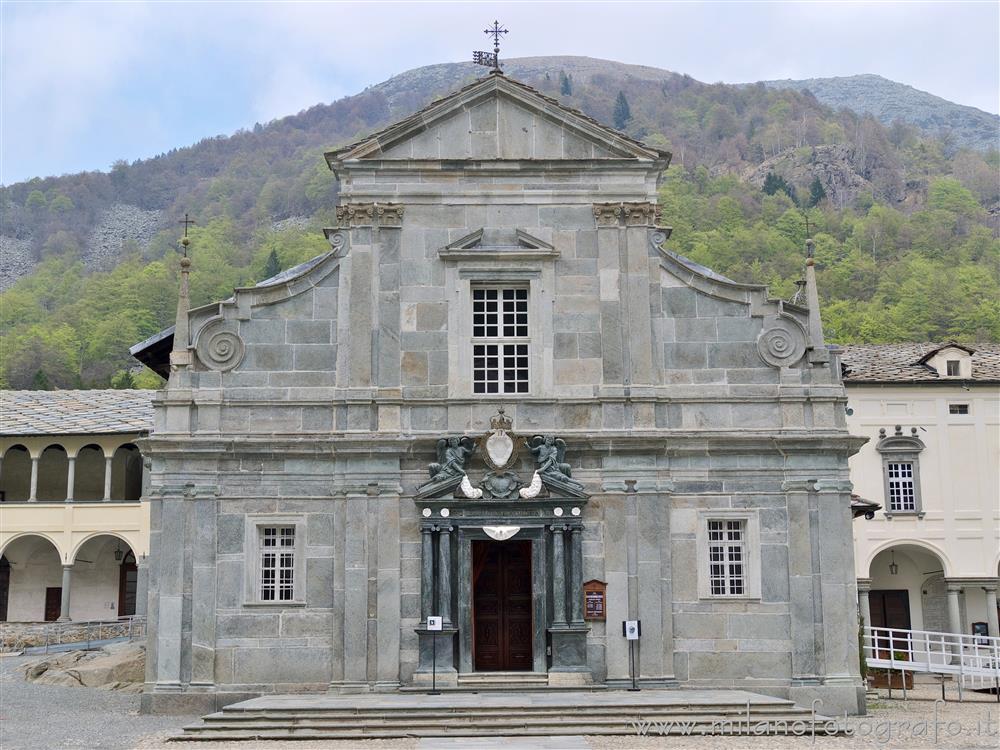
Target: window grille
(727, 557)
(277, 563)
(500, 340)
(901, 494)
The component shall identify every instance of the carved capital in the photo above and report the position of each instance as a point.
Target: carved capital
(641, 214)
(632, 214)
(350, 215)
(608, 214)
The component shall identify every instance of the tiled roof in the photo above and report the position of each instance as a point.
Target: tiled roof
(901, 363)
(75, 412)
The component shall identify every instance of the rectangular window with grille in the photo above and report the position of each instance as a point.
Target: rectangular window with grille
(277, 563)
(901, 494)
(500, 340)
(727, 557)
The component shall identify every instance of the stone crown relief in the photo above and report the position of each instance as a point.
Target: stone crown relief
(500, 448)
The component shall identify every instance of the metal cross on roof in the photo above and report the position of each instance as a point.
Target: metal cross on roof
(491, 58)
(186, 222)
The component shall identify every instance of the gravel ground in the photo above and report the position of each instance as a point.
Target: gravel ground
(44, 716)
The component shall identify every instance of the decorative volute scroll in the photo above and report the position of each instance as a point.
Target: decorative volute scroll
(350, 215)
(783, 341)
(219, 345)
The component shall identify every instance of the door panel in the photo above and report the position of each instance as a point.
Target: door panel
(502, 603)
(53, 603)
(890, 609)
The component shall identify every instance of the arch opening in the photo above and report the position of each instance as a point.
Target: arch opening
(15, 474)
(34, 579)
(53, 474)
(126, 473)
(89, 483)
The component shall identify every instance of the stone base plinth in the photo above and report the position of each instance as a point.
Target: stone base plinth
(439, 644)
(569, 649)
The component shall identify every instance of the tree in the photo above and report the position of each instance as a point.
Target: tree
(123, 381)
(622, 112)
(272, 267)
(565, 84)
(774, 183)
(816, 192)
(35, 202)
(40, 381)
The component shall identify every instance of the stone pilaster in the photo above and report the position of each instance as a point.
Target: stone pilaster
(426, 573)
(558, 577)
(388, 593)
(203, 593)
(803, 583)
(569, 640)
(444, 575)
(576, 576)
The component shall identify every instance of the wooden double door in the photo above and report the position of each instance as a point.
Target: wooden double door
(502, 605)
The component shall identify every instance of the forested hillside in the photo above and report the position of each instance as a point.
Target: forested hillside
(905, 223)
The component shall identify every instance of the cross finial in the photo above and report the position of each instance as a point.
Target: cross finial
(184, 240)
(485, 58)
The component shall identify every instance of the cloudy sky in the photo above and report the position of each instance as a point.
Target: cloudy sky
(86, 83)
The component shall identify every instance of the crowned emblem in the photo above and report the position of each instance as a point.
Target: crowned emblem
(499, 443)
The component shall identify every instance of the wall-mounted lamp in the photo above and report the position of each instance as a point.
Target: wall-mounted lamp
(893, 568)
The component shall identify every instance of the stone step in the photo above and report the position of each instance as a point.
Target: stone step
(299, 725)
(504, 677)
(494, 711)
(776, 726)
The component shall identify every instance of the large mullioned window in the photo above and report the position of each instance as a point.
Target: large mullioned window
(727, 557)
(277, 563)
(500, 340)
(899, 480)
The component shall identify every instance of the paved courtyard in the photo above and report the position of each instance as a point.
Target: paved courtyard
(53, 718)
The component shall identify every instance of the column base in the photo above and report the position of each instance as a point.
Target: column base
(663, 681)
(440, 643)
(569, 649)
(349, 687)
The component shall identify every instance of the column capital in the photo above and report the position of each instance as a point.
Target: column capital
(864, 585)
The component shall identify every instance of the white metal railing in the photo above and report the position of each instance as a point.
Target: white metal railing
(974, 660)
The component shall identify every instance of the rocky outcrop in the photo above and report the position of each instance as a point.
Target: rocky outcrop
(120, 226)
(119, 666)
(16, 260)
(291, 223)
(833, 165)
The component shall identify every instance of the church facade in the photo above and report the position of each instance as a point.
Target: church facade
(502, 407)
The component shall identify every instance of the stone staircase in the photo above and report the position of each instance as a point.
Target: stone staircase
(611, 712)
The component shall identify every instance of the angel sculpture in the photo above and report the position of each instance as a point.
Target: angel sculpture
(452, 454)
(550, 452)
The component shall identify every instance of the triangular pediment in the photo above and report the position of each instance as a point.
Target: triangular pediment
(496, 118)
(496, 244)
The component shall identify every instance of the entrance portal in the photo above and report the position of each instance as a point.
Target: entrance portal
(501, 609)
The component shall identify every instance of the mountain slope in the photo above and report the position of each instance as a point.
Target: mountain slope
(888, 101)
(91, 257)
